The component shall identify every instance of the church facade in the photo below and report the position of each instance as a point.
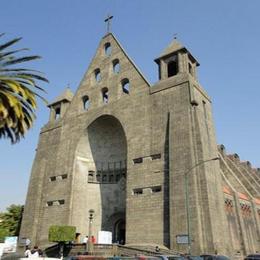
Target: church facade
(143, 159)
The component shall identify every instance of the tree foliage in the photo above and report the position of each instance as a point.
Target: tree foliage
(18, 91)
(10, 221)
(62, 233)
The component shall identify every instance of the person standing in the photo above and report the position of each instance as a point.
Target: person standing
(27, 252)
(85, 240)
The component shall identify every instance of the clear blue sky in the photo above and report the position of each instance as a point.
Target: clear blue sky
(223, 35)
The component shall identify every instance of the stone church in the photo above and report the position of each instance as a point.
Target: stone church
(144, 159)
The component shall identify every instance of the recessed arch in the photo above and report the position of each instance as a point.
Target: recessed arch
(102, 150)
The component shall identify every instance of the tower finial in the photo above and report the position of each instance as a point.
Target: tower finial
(107, 20)
(175, 36)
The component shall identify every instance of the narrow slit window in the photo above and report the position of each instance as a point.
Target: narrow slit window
(86, 102)
(61, 202)
(53, 178)
(138, 160)
(64, 176)
(116, 66)
(108, 49)
(156, 156)
(156, 189)
(105, 95)
(137, 191)
(97, 75)
(125, 86)
(49, 203)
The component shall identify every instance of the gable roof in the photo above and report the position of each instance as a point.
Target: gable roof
(173, 47)
(131, 61)
(67, 95)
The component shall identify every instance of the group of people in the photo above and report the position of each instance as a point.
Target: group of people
(35, 252)
(91, 240)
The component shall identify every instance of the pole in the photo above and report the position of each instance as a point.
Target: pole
(186, 188)
(89, 242)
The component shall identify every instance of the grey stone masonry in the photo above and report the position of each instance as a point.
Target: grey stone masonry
(124, 149)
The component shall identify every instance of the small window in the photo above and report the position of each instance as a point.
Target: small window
(104, 178)
(91, 173)
(138, 160)
(156, 189)
(57, 113)
(116, 66)
(137, 191)
(61, 202)
(97, 75)
(108, 49)
(86, 102)
(156, 156)
(98, 177)
(64, 176)
(53, 178)
(125, 86)
(49, 203)
(190, 69)
(105, 95)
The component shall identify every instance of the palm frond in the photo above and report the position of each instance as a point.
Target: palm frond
(18, 93)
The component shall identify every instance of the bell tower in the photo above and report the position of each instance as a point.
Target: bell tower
(175, 60)
(60, 105)
(196, 203)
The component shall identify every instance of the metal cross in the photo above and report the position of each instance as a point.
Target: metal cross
(107, 20)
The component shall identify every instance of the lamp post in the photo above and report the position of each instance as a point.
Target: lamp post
(90, 243)
(187, 197)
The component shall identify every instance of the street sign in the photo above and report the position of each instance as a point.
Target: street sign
(182, 239)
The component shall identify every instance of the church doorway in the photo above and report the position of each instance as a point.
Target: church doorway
(107, 172)
(119, 232)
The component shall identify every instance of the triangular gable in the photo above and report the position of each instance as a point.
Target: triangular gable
(101, 76)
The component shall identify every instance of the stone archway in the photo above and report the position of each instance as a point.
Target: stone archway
(103, 154)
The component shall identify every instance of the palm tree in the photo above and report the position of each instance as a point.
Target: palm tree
(18, 91)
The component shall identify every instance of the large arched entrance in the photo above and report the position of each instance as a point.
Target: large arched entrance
(105, 151)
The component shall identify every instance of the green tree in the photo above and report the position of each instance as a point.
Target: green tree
(18, 91)
(10, 221)
(62, 234)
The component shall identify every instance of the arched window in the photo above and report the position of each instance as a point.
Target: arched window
(86, 102)
(116, 66)
(105, 95)
(108, 48)
(125, 85)
(97, 75)
(172, 68)
(57, 113)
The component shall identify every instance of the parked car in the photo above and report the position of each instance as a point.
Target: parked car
(252, 257)
(215, 257)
